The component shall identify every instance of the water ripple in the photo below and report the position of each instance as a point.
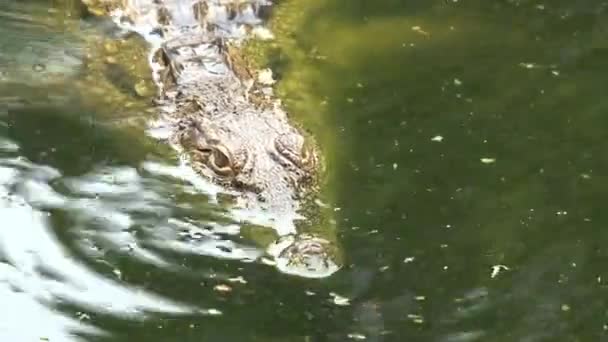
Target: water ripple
(121, 209)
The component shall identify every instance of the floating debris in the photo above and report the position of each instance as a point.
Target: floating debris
(496, 269)
(339, 300)
(457, 82)
(222, 288)
(418, 29)
(418, 319)
(356, 336)
(238, 279)
(213, 312)
(488, 160)
(537, 66)
(39, 67)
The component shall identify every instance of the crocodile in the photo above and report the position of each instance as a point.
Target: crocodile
(223, 118)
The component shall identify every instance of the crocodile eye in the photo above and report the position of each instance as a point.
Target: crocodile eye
(221, 162)
(220, 159)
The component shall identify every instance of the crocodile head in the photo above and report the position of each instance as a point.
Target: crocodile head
(249, 154)
(269, 174)
(270, 164)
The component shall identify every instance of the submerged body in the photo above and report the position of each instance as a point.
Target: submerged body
(223, 117)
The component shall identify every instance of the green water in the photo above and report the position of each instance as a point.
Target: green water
(461, 138)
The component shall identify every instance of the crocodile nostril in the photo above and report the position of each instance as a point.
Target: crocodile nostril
(294, 148)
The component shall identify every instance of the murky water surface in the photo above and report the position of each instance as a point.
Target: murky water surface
(465, 149)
